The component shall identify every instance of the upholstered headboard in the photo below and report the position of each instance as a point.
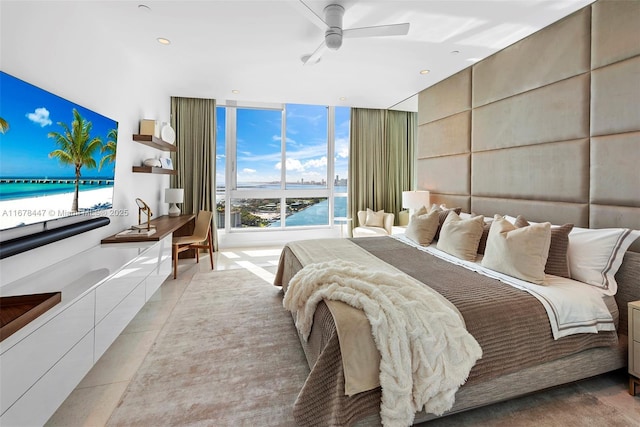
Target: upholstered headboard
(548, 128)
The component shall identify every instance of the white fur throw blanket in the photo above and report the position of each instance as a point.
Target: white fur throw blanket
(426, 352)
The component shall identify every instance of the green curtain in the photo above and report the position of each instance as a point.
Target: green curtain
(194, 121)
(381, 160)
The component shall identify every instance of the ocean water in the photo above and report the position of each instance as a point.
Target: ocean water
(12, 191)
(317, 214)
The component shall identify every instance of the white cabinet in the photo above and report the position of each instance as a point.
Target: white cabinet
(634, 346)
(102, 290)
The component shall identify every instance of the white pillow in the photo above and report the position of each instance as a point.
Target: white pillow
(460, 237)
(374, 219)
(595, 255)
(519, 252)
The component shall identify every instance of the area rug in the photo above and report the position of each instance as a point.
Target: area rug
(228, 355)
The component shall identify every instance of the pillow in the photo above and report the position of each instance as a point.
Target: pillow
(518, 252)
(422, 228)
(374, 219)
(595, 255)
(460, 237)
(443, 216)
(482, 244)
(557, 263)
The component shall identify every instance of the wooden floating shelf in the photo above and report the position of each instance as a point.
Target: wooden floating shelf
(18, 311)
(154, 142)
(151, 169)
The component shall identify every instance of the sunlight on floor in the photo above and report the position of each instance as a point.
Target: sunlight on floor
(258, 271)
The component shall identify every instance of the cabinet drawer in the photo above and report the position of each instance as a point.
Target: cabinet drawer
(28, 360)
(113, 323)
(636, 324)
(36, 406)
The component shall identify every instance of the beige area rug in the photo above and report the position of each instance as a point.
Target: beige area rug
(229, 356)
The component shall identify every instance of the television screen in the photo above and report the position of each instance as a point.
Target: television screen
(57, 158)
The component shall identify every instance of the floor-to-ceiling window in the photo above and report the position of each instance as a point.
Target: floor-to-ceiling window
(281, 167)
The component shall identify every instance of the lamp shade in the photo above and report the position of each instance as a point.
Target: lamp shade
(415, 199)
(174, 195)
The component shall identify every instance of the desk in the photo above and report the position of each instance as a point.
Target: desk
(181, 225)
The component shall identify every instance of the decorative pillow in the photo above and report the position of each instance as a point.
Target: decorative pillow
(557, 263)
(485, 234)
(443, 216)
(595, 255)
(460, 237)
(422, 228)
(518, 252)
(374, 219)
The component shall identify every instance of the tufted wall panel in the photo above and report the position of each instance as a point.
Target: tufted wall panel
(554, 125)
(445, 136)
(534, 172)
(564, 45)
(557, 112)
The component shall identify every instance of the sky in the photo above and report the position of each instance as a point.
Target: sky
(32, 113)
(259, 138)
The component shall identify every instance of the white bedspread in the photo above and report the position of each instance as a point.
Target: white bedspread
(573, 307)
(426, 352)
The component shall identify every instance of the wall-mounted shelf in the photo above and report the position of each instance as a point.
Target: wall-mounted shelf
(151, 169)
(154, 142)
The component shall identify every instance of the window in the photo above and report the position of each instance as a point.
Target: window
(283, 167)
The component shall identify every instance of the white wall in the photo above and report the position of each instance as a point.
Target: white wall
(96, 75)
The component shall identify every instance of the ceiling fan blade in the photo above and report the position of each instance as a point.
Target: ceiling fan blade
(316, 55)
(377, 31)
(305, 10)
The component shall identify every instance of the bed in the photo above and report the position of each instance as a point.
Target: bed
(520, 354)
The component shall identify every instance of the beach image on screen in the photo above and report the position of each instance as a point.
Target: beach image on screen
(57, 158)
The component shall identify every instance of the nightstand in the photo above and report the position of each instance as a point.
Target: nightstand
(634, 347)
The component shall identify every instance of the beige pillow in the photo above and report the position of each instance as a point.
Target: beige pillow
(557, 261)
(422, 228)
(460, 237)
(443, 216)
(374, 219)
(518, 252)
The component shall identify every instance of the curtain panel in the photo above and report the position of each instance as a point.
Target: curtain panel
(194, 120)
(381, 160)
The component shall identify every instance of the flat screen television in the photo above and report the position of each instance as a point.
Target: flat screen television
(57, 158)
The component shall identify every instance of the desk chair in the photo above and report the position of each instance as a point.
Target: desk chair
(201, 233)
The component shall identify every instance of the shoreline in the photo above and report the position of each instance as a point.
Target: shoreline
(29, 210)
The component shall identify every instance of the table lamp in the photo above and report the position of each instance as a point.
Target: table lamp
(414, 200)
(173, 196)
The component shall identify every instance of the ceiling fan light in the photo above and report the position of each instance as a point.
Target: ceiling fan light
(333, 40)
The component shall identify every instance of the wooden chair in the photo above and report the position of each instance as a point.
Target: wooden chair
(201, 233)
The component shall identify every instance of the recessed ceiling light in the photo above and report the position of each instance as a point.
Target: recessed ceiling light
(342, 98)
(164, 41)
(455, 52)
(235, 91)
(425, 71)
(144, 8)
(473, 59)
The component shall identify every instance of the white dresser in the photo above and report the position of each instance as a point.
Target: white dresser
(102, 288)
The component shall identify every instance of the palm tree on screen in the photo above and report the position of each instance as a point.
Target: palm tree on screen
(76, 147)
(109, 148)
(4, 125)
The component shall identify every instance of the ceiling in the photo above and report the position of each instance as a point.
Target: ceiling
(255, 47)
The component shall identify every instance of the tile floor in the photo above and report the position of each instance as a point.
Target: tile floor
(97, 395)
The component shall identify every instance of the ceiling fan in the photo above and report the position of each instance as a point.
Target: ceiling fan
(332, 22)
